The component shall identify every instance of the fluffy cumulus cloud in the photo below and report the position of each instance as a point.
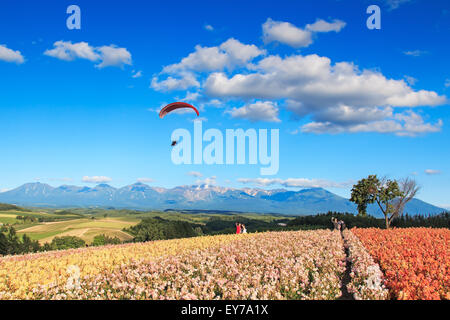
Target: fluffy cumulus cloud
(106, 56)
(287, 33)
(407, 123)
(10, 55)
(181, 76)
(295, 182)
(183, 81)
(324, 26)
(258, 111)
(333, 97)
(338, 97)
(230, 54)
(96, 179)
(112, 56)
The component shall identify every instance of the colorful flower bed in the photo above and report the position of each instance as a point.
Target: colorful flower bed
(274, 265)
(415, 261)
(366, 277)
(20, 274)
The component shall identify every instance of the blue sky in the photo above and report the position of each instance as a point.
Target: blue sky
(79, 106)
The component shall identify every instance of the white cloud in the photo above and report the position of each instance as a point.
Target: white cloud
(67, 51)
(10, 55)
(258, 111)
(403, 124)
(432, 172)
(447, 83)
(207, 181)
(295, 182)
(191, 96)
(415, 53)
(331, 94)
(287, 33)
(145, 180)
(229, 54)
(96, 179)
(323, 26)
(184, 81)
(137, 74)
(195, 174)
(315, 82)
(335, 97)
(209, 27)
(113, 56)
(411, 80)
(106, 55)
(394, 4)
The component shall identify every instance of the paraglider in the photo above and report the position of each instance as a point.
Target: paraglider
(174, 106)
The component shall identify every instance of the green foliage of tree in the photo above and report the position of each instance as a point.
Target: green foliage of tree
(383, 192)
(102, 240)
(67, 242)
(10, 243)
(159, 229)
(363, 193)
(4, 245)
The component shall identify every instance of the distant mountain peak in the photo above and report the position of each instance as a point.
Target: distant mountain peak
(104, 185)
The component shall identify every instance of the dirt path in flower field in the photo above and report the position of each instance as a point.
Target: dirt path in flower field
(346, 278)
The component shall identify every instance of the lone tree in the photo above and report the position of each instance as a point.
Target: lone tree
(384, 192)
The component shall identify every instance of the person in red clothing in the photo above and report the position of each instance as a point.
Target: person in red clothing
(238, 228)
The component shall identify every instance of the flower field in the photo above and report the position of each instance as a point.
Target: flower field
(281, 265)
(398, 263)
(19, 275)
(366, 277)
(415, 261)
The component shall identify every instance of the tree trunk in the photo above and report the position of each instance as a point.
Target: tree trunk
(387, 221)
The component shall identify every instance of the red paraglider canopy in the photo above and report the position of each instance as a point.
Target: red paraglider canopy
(176, 105)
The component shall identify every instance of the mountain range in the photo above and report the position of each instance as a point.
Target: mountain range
(195, 197)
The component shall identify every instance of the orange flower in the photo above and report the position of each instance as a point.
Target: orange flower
(415, 261)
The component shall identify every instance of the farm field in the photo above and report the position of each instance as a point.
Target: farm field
(85, 228)
(10, 216)
(270, 265)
